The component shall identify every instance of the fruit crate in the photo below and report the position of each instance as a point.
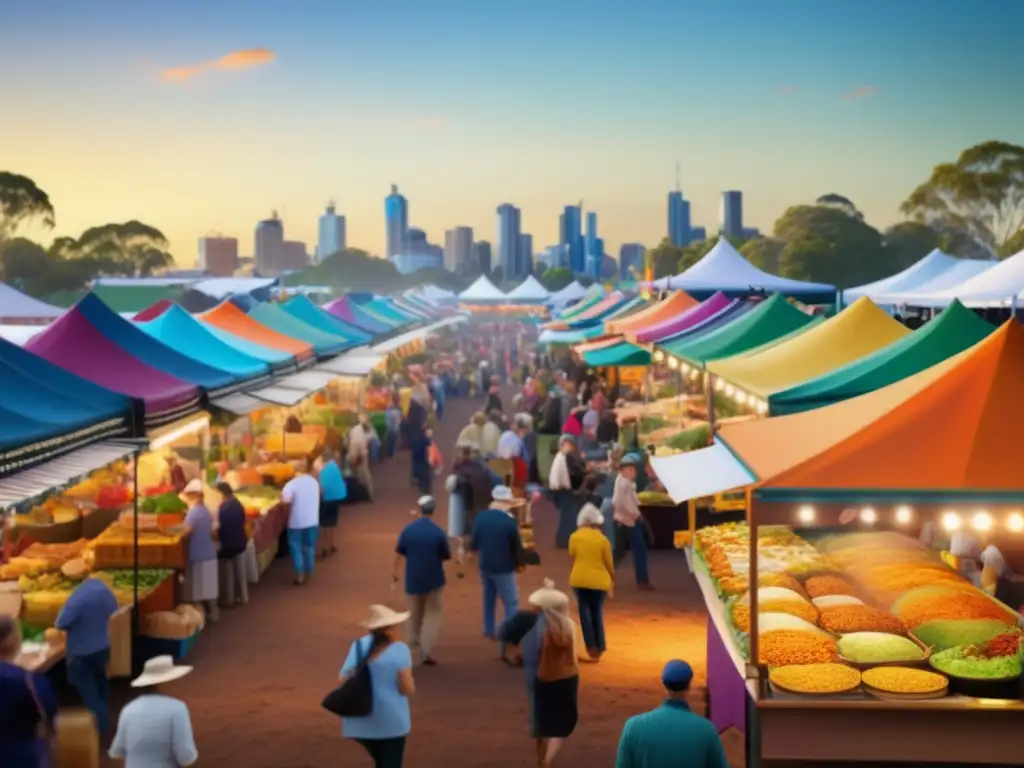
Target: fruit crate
(118, 554)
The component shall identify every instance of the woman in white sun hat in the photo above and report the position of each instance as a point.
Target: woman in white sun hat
(384, 731)
(155, 729)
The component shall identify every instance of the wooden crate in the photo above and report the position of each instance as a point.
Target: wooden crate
(120, 664)
(110, 555)
(163, 598)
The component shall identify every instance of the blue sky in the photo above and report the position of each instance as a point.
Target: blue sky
(467, 105)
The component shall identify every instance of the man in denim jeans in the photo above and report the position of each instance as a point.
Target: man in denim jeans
(498, 547)
(629, 523)
(86, 619)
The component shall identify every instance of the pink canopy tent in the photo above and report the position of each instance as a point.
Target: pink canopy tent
(691, 318)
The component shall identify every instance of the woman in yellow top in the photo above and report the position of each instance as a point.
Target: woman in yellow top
(593, 575)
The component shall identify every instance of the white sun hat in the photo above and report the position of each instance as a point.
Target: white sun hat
(548, 598)
(502, 493)
(160, 670)
(382, 617)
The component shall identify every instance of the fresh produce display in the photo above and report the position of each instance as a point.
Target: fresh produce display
(655, 498)
(878, 648)
(258, 500)
(158, 548)
(816, 678)
(785, 647)
(930, 604)
(163, 504)
(997, 659)
(292, 445)
(841, 619)
(44, 558)
(944, 634)
(281, 472)
(826, 586)
(44, 596)
(798, 608)
(905, 680)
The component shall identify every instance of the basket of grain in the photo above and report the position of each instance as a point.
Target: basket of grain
(824, 679)
(904, 683)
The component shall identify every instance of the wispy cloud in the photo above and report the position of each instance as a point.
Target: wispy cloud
(861, 92)
(235, 61)
(787, 90)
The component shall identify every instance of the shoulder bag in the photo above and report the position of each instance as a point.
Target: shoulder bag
(354, 697)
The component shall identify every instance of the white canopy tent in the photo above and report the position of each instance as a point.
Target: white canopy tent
(704, 472)
(20, 334)
(530, 290)
(963, 270)
(1001, 285)
(17, 307)
(574, 291)
(482, 290)
(917, 274)
(724, 269)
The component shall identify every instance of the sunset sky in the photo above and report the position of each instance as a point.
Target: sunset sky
(199, 115)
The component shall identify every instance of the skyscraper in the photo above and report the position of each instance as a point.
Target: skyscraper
(679, 228)
(218, 256)
(509, 229)
(330, 233)
(482, 256)
(268, 245)
(631, 261)
(595, 248)
(396, 222)
(458, 249)
(570, 234)
(525, 255)
(731, 219)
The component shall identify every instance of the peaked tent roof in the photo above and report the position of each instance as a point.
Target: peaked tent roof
(74, 344)
(682, 322)
(15, 305)
(153, 311)
(766, 322)
(724, 269)
(621, 354)
(962, 271)
(277, 359)
(230, 318)
(482, 289)
(655, 314)
(997, 286)
(347, 310)
(953, 331)
(387, 309)
(305, 310)
(529, 290)
(595, 294)
(857, 331)
(896, 440)
(151, 351)
(612, 305)
(178, 329)
(574, 291)
(921, 271)
(324, 344)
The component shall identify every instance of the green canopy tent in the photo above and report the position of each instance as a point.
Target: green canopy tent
(623, 353)
(953, 331)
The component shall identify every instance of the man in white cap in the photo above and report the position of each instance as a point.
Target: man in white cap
(423, 547)
(499, 550)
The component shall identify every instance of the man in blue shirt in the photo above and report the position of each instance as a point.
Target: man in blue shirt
(499, 550)
(86, 619)
(671, 735)
(423, 545)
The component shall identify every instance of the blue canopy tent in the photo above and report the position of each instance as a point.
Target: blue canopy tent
(305, 310)
(324, 344)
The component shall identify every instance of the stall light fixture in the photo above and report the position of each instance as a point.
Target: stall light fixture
(805, 514)
(904, 515)
(673, 363)
(694, 374)
(868, 515)
(684, 367)
(189, 428)
(719, 385)
(729, 390)
(741, 398)
(1015, 522)
(762, 407)
(951, 521)
(982, 521)
(659, 356)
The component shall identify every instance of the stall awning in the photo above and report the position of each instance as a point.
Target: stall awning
(238, 404)
(350, 364)
(310, 381)
(700, 473)
(418, 333)
(66, 470)
(280, 396)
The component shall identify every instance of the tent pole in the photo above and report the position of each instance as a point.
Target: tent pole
(709, 397)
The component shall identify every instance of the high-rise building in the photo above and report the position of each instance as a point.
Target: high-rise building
(731, 218)
(698, 233)
(418, 253)
(556, 256)
(482, 256)
(458, 249)
(570, 234)
(330, 233)
(525, 255)
(631, 261)
(508, 230)
(679, 228)
(292, 256)
(594, 248)
(218, 256)
(269, 237)
(396, 222)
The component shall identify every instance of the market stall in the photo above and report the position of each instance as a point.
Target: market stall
(859, 639)
(305, 310)
(324, 344)
(230, 319)
(349, 311)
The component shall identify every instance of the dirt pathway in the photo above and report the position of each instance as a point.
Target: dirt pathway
(262, 671)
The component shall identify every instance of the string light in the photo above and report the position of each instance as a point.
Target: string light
(659, 356)
(673, 363)
(762, 407)
(729, 390)
(805, 514)
(951, 521)
(719, 385)
(982, 521)
(1015, 522)
(904, 515)
(868, 515)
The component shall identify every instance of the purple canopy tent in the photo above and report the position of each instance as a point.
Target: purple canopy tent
(691, 318)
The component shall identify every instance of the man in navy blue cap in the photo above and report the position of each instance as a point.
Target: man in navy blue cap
(671, 735)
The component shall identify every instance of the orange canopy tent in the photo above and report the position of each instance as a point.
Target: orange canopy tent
(230, 318)
(953, 428)
(657, 313)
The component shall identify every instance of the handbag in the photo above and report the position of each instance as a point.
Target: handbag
(354, 697)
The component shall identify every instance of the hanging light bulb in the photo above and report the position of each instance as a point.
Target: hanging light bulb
(805, 514)
(982, 521)
(951, 521)
(1015, 522)
(659, 356)
(673, 363)
(719, 385)
(904, 514)
(868, 515)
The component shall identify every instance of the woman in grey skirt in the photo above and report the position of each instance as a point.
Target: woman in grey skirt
(201, 584)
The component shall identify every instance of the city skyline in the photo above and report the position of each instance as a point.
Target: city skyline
(195, 118)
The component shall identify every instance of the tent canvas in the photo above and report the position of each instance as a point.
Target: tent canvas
(530, 290)
(276, 319)
(688, 319)
(74, 344)
(386, 309)
(896, 440)
(624, 307)
(347, 310)
(153, 311)
(484, 290)
(723, 269)
(275, 358)
(767, 321)
(570, 335)
(857, 331)
(151, 351)
(16, 306)
(597, 311)
(962, 271)
(572, 292)
(999, 285)
(177, 329)
(227, 317)
(918, 273)
(953, 331)
(589, 300)
(655, 314)
(620, 354)
(305, 310)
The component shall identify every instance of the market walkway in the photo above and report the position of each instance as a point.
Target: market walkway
(262, 671)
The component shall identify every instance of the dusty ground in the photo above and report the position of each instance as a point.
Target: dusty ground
(262, 671)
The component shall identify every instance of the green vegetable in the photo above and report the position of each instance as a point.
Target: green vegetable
(149, 578)
(954, 662)
(944, 634)
(690, 439)
(164, 504)
(31, 634)
(878, 647)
